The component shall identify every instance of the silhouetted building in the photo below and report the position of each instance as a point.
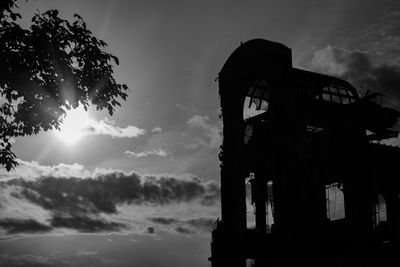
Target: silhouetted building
(325, 192)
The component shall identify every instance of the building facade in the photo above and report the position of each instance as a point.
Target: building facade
(302, 149)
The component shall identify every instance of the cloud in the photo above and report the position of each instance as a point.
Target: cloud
(157, 129)
(157, 152)
(31, 170)
(202, 224)
(381, 38)
(199, 121)
(181, 106)
(108, 127)
(191, 148)
(194, 225)
(102, 201)
(77, 122)
(361, 70)
(85, 224)
(150, 230)
(103, 194)
(16, 226)
(87, 253)
(163, 220)
(213, 132)
(29, 260)
(183, 230)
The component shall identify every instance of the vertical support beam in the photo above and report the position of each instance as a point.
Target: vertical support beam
(260, 190)
(260, 184)
(233, 190)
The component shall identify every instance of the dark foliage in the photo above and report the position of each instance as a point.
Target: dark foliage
(53, 66)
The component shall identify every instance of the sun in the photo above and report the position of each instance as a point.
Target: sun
(74, 125)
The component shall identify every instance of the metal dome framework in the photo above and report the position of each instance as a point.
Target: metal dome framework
(314, 85)
(324, 87)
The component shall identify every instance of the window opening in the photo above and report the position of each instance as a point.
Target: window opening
(337, 94)
(380, 212)
(257, 99)
(250, 208)
(334, 201)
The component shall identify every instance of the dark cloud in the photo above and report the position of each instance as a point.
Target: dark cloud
(81, 203)
(162, 220)
(85, 224)
(202, 224)
(150, 230)
(183, 230)
(104, 193)
(360, 69)
(15, 226)
(166, 189)
(191, 226)
(212, 193)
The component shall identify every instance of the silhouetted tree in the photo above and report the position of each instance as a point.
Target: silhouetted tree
(52, 66)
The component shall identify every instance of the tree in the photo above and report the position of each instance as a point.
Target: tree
(53, 66)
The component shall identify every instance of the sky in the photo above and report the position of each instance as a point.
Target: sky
(141, 187)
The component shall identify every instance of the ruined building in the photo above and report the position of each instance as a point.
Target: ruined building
(305, 148)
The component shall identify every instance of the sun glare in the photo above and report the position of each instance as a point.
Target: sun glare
(74, 125)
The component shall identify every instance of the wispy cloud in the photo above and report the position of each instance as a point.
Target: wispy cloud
(30, 260)
(181, 106)
(156, 129)
(87, 253)
(109, 127)
(213, 132)
(157, 152)
(380, 38)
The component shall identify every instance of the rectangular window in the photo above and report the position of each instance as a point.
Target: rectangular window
(334, 201)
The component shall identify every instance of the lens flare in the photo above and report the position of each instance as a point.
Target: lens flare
(74, 126)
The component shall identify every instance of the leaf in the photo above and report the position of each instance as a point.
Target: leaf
(102, 43)
(110, 110)
(115, 59)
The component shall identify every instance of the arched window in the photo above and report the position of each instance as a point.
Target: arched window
(256, 102)
(257, 99)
